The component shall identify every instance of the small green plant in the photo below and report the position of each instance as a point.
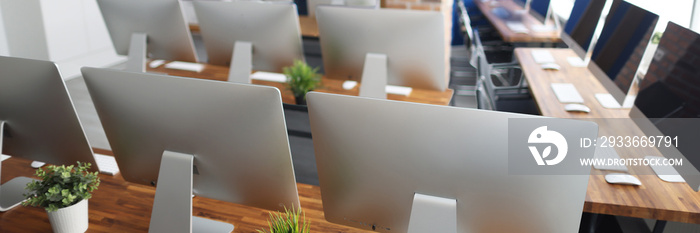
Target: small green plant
(61, 186)
(656, 38)
(292, 221)
(301, 78)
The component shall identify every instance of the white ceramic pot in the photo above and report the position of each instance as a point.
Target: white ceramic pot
(71, 219)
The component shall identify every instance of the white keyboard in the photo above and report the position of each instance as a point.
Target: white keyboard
(566, 93)
(107, 164)
(267, 76)
(398, 90)
(606, 153)
(542, 56)
(189, 66)
(517, 27)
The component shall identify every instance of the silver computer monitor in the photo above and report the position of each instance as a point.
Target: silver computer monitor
(232, 136)
(154, 27)
(312, 4)
(39, 121)
(668, 102)
(620, 47)
(271, 27)
(412, 41)
(539, 9)
(580, 27)
(374, 155)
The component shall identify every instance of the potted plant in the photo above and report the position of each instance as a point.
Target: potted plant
(64, 192)
(292, 221)
(301, 78)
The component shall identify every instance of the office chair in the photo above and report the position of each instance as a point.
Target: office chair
(502, 81)
(463, 78)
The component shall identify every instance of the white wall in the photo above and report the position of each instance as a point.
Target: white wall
(4, 50)
(70, 33)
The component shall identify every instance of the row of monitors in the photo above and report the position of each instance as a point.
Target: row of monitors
(671, 87)
(370, 165)
(145, 115)
(412, 40)
(373, 155)
(621, 41)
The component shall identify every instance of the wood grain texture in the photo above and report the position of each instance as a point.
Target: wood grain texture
(654, 199)
(119, 206)
(220, 73)
(527, 19)
(307, 25)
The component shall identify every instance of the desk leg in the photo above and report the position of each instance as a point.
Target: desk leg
(659, 226)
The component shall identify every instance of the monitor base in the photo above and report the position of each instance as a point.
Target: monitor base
(608, 101)
(137, 53)
(374, 76)
(433, 214)
(241, 62)
(11, 192)
(577, 62)
(172, 206)
(665, 173)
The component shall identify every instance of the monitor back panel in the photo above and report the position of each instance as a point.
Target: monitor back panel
(236, 133)
(373, 155)
(40, 120)
(272, 28)
(413, 41)
(161, 20)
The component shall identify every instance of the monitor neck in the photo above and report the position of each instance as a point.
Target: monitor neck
(374, 76)
(241, 62)
(432, 214)
(137, 53)
(172, 205)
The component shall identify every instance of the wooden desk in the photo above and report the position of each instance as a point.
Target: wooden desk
(120, 206)
(308, 27)
(527, 19)
(654, 199)
(220, 73)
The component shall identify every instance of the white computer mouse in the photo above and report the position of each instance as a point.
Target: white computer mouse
(37, 164)
(550, 66)
(622, 178)
(577, 108)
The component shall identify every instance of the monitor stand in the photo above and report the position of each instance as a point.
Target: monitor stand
(665, 173)
(241, 62)
(433, 214)
(137, 53)
(172, 206)
(374, 76)
(11, 192)
(577, 62)
(608, 101)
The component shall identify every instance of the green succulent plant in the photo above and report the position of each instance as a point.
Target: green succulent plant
(292, 221)
(301, 78)
(61, 186)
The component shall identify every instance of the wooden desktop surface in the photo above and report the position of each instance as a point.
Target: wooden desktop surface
(220, 73)
(654, 199)
(527, 19)
(120, 206)
(307, 25)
